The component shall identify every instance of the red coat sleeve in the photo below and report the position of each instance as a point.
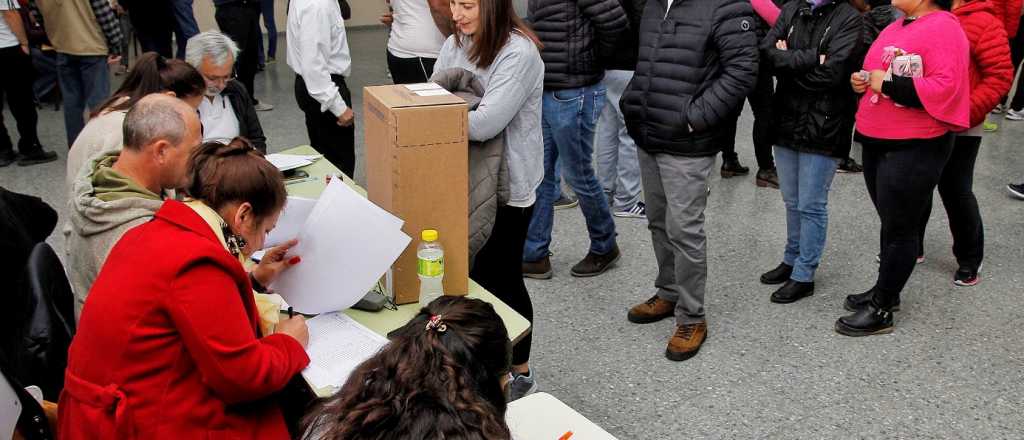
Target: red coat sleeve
(208, 312)
(992, 55)
(1008, 12)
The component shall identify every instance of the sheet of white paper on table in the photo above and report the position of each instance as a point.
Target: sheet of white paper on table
(291, 220)
(423, 86)
(10, 409)
(542, 416)
(346, 245)
(285, 162)
(337, 345)
(433, 92)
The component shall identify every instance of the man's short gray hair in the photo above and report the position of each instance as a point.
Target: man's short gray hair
(154, 118)
(213, 44)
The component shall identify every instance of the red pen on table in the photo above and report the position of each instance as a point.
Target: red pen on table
(565, 436)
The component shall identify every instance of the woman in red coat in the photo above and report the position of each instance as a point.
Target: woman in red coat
(991, 73)
(168, 346)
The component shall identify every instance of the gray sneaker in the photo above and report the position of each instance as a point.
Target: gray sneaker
(263, 107)
(522, 386)
(564, 202)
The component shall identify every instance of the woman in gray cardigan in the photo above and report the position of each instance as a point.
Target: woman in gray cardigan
(495, 45)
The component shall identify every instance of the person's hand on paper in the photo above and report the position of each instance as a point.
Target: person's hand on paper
(294, 327)
(346, 119)
(275, 261)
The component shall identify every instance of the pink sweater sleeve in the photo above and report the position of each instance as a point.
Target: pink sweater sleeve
(767, 10)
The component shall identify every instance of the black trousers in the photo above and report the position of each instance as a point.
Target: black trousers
(764, 133)
(335, 142)
(498, 267)
(900, 182)
(241, 21)
(153, 23)
(410, 70)
(1017, 55)
(16, 87)
(956, 188)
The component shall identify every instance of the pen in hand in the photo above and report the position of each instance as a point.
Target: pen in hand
(291, 312)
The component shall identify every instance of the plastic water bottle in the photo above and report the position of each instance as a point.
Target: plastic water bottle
(430, 266)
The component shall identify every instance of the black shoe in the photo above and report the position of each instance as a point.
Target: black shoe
(967, 277)
(732, 168)
(778, 275)
(767, 178)
(866, 322)
(1016, 190)
(41, 156)
(849, 165)
(564, 202)
(860, 301)
(8, 158)
(792, 291)
(593, 265)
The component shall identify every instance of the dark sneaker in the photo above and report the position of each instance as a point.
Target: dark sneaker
(778, 275)
(849, 165)
(639, 210)
(41, 156)
(564, 202)
(1016, 190)
(8, 158)
(522, 385)
(866, 322)
(767, 178)
(792, 292)
(686, 341)
(538, 270)
(860, 301)
(733, 168)
(593, 265)
(967, 277)
(652, 310)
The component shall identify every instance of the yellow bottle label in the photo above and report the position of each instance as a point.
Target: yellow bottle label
(430, 268)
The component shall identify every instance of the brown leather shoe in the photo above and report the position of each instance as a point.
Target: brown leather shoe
(593, 265)
(686, 341)
(538, 270)
(652, 310)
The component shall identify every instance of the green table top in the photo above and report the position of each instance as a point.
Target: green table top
(385, 321)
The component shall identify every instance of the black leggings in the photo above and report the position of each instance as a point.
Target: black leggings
(900, 182)
(1017, 55)
(410, 70)
(764, 133)
(498, 267)
(956, 188)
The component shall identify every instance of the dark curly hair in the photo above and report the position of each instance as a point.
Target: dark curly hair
(436, 381)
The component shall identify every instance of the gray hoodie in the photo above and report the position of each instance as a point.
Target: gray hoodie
(96, 225)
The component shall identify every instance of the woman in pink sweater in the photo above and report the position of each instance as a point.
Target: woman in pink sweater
(906, 123)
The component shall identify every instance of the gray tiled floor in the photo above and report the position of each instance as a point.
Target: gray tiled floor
(953, 368)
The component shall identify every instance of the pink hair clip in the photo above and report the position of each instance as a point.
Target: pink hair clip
(435, 323)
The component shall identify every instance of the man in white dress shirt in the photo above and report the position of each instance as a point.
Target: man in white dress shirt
(318, 53)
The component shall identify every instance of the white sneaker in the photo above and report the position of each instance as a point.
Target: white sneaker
(1014, 115)
(639, 210)
(1000, 109)
(263, 107)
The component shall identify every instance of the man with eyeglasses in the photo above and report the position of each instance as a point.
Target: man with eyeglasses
(227, 110)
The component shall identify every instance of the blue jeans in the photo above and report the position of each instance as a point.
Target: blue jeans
(267, 10)
(804, 179)
(617, 165)
(185, 26)
(568, 120)
(85, 83)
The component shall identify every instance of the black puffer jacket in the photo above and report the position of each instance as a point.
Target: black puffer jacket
(623, 57)
(697, 64)
(814, 103)
(249, 125)
(576, 35)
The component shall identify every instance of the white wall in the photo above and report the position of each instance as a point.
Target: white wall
(364, 13)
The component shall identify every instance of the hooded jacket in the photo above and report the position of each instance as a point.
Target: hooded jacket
(990, 66)
(813, 101)
(96, 225)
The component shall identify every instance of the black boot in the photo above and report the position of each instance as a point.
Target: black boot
(731, 167)
(859, 301)
(792, 291)
(778, 275)
(866, 322)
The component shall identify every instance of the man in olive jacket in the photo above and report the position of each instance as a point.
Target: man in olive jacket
(698, 61)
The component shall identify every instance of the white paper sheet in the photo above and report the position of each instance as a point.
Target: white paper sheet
(337, 345)
(285, 162)
(423, 86)
(346, 245)
(437, 92)
(10, 409)
(291, 221)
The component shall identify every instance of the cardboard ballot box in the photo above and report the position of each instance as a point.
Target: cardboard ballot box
(417, 168)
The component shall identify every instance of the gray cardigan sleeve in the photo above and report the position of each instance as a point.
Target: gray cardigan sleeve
(506, 91)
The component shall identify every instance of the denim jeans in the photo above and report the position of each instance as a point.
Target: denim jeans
(804, 179)
(568, 121)
(85, 83)
(267, 11)
(617, 166)
(185, 26)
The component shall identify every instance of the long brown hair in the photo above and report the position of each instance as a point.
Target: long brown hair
(236, 172)
(440, 377)
(153, 73)
(498, 20)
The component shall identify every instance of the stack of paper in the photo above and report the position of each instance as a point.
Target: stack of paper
(346, 244)
(291, 221)
(337, 345)
(285, 162)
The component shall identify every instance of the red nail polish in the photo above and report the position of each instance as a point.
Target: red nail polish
(294, 260)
